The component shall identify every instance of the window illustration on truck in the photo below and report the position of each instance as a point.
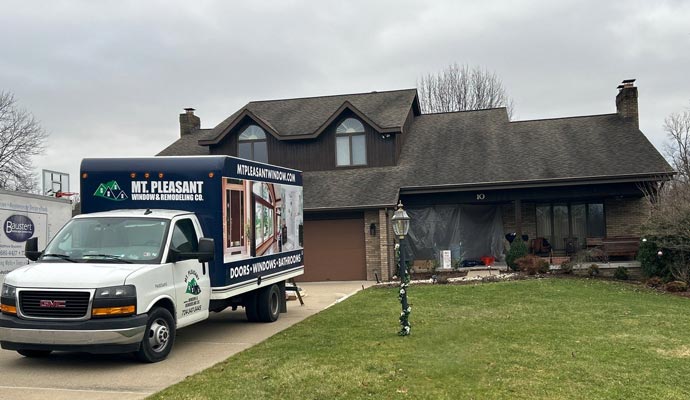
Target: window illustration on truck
(260, 218)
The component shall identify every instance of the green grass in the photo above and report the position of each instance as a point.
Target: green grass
(533, 339)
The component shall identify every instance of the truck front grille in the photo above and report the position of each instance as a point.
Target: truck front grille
(53, 304)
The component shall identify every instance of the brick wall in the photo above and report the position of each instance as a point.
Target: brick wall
(380, 257)
(625, 216)
(385, 246)
(372, 244)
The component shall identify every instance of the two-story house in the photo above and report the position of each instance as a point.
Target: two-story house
(466, 178)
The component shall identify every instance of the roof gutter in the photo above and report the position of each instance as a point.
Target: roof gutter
(571, 181)
(363, 207)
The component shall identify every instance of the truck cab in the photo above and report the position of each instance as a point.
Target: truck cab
(127, 279)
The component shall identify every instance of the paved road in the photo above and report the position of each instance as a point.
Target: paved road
(77, 376)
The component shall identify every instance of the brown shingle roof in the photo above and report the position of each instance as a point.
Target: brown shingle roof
(458, 149)
(307, 116)
(187, 145)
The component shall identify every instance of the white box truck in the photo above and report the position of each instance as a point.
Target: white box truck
(163, 242)
(24, 216)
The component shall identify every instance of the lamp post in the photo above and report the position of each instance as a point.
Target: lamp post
(401, 225)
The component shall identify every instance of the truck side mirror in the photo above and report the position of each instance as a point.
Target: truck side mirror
(206, 250)
(31, 249)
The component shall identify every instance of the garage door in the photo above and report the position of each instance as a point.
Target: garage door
(334, 250)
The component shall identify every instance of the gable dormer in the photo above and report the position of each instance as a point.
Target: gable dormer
(320, 133)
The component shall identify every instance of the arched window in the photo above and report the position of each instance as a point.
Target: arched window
(252, 144)
(350, 143)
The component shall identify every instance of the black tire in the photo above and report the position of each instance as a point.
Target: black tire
(34, 353)
(251, 307)
(159, 336)
(269, 303)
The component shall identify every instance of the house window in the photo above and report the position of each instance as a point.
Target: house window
(559, 221)
(350, 143)
(252, 144)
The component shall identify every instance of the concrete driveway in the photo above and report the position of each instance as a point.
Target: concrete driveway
(85, 376)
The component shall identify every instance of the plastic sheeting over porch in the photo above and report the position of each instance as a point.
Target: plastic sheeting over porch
(468, 231)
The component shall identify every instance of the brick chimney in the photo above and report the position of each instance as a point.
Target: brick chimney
(189, 123)
(626, 102)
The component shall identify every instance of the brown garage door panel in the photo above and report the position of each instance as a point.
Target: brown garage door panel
(334, 250)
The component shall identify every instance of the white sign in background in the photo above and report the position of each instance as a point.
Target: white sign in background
(445, 259)
(11, 252)
(48, 215)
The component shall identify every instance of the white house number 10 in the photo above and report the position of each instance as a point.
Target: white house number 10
(481, 196)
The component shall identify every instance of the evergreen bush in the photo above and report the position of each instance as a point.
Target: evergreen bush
(651, 263)
(621, 274)
(518, 249)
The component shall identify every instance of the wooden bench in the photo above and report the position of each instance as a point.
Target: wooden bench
(616, 246)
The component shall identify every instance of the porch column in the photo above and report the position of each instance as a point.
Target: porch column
(518, 217)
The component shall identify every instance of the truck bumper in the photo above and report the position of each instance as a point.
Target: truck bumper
(112, 335)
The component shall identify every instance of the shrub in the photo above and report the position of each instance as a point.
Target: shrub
(543, 266)
(621, 274)
(655, 282)
(679, 266)
(676, 286)
(651, 263)
(532, 265)
(567, 267)
(518, 249)
(593, 270)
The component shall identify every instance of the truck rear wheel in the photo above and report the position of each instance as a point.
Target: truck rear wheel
(159, 336)
(269, 303)
(34, 353)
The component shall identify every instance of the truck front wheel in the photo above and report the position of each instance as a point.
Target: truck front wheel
(158, 337)
(269, 303)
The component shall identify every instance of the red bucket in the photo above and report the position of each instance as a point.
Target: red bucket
(488, 260)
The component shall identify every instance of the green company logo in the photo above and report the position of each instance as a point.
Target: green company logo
(193, 287)
(111, 191)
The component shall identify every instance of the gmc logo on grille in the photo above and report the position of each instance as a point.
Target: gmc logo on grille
(53, 303)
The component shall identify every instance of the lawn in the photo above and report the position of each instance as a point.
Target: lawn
(530, 339)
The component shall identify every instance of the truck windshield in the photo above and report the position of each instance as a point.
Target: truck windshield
(109, 240)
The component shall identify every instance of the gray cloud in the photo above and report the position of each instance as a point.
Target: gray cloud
(109, 78)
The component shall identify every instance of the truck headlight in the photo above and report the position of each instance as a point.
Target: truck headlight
(115, 301)
(8, 299)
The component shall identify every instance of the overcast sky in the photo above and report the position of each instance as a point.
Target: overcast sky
(109, 78)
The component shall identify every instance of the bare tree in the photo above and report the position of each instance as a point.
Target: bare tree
(668, 225)
(460, 88)
(677, 127)
(21, 138)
